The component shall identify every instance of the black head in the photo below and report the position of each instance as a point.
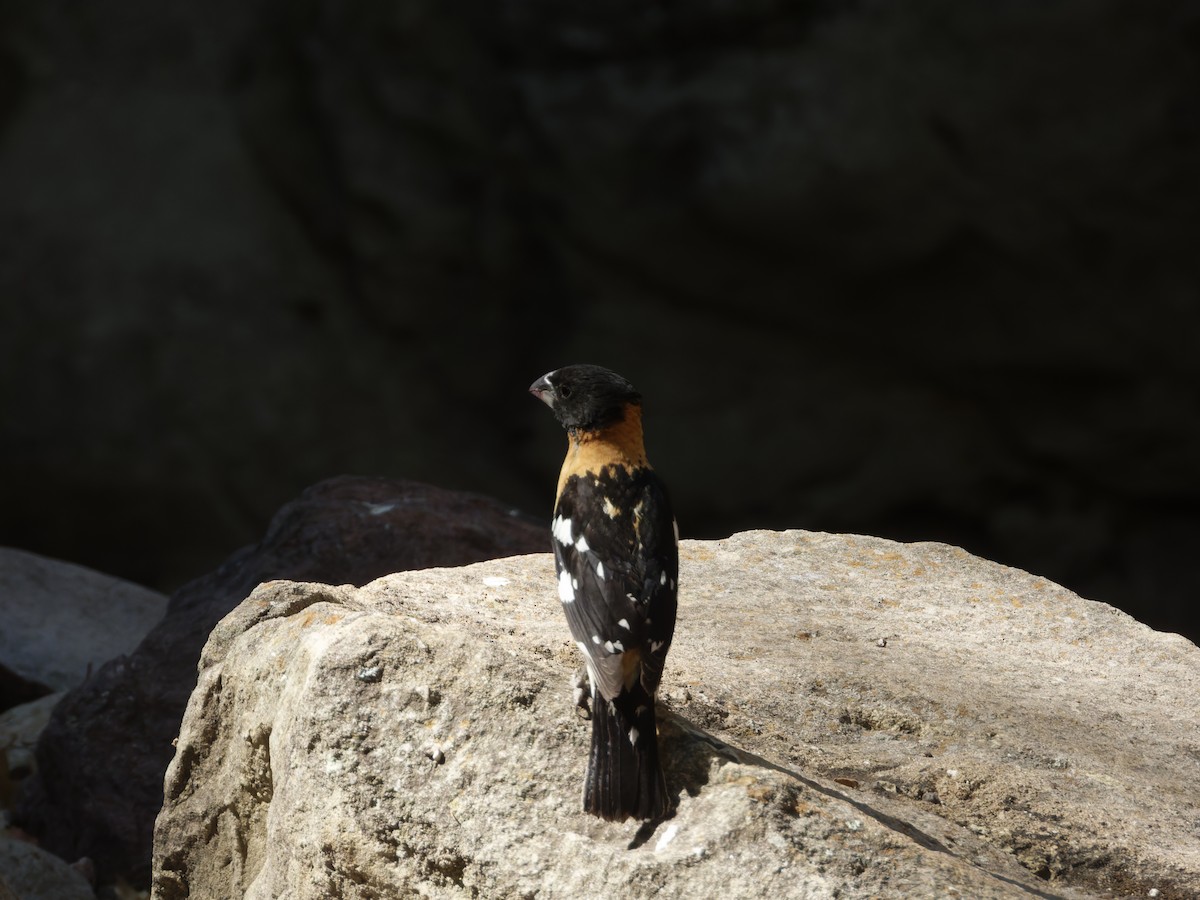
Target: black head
(585, 398)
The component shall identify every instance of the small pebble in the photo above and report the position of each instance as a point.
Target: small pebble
(370, 674)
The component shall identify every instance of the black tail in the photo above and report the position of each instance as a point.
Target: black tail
(625, 777)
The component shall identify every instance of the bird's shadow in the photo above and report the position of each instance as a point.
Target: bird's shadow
(691, 755)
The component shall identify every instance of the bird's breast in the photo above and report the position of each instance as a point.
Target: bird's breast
(589, 458)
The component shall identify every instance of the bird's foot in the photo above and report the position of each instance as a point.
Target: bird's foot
(583, 693)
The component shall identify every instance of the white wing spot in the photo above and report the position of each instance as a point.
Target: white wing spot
(562, 531)
(633, 736)
(575, 583)
(582, 545)
(566, 592)
(611, 511)
(614, 646)
(600, 570)
(655, 645)
(632, 598)
(624, 623)
(662, 579)
(595, 638)
(672, 584)
(591, 668)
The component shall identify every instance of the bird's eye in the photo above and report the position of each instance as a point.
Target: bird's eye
(564, 391)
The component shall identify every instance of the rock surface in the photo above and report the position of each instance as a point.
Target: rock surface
(847, 717)
(31, 873)
(20, 728)
(26, 871)
(101, 759)
(61, 621)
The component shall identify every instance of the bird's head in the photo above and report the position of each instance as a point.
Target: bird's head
(586, 398)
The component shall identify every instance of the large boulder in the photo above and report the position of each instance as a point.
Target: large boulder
(101, 759)
(843, 717)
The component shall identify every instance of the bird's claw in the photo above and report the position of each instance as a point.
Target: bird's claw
(583, 693)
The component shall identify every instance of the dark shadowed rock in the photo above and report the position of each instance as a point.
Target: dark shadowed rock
(16, 689)
(101, 759)
(958, 238)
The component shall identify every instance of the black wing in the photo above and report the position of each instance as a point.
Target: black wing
(616, 550)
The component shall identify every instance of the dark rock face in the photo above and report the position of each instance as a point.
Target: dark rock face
(101, 759)
(926, 272)
(16, 689)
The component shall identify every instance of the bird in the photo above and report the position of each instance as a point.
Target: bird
(616, 553)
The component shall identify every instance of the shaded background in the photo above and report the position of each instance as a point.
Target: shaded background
(927, 271)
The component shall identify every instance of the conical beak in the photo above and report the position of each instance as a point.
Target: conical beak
(543, 390)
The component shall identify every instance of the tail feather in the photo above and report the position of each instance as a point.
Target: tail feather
(625, 776)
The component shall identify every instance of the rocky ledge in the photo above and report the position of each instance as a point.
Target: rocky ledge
(843, 717)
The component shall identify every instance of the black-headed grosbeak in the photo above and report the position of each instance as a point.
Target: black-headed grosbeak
(616, 548)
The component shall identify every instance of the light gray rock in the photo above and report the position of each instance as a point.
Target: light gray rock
(62, 620)
(30, 873)
(20, 728)
(848, 717)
